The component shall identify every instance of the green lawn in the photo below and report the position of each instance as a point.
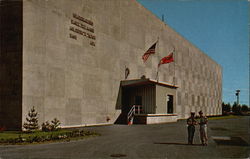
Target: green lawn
(223, 117)
(16, 134)
(18, 137)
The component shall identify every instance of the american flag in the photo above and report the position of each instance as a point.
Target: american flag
(150, 51)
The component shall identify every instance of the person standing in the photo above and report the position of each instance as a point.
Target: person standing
(203, 128)
(191, 122)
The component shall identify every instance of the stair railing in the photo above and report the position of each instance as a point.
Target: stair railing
(131, 114)
(135, 109)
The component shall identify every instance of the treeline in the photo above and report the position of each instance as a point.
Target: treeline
(234, 109)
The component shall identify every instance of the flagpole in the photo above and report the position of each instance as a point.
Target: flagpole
(174, 65)
(174, 70)
(156, 78)
(157, 74)
(125, 71)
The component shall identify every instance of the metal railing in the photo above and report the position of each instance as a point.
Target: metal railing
(135, 109)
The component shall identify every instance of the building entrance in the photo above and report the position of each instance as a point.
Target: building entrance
(147, 101)
(138, 100)
(170, 104)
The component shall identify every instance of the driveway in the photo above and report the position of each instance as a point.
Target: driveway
(228, 138)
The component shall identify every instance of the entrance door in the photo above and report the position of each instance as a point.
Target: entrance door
(170, 103)
(138, 100)
(138, 103)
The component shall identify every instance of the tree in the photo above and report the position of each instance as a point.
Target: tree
(32, 121)
(244, 108)
(55, 124)
(226, 108)
(236, 108)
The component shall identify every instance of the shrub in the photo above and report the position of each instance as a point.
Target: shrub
(55, 124)
(2, 128)
(46, 136)
(46, 126)
(32, 121)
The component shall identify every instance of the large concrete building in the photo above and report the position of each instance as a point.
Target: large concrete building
(68, 59)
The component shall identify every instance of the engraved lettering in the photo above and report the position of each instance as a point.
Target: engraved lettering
(81, 28)
(83, 19)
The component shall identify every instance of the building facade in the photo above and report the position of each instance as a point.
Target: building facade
(68, 58)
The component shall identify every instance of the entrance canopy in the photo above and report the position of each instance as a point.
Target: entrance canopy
(156, 100)
(146, 81)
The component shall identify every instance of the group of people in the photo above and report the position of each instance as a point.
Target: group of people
(202, 121)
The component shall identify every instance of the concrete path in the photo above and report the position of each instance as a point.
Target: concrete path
(146, 141)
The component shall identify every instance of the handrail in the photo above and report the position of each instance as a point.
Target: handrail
(136, 109)
(131, 112)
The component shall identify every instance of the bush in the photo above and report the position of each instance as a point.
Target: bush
(54, 126)
(46, 126)
(48, 136)
(2, 128)
(32, 121)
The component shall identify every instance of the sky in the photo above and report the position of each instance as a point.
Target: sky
(220, 28)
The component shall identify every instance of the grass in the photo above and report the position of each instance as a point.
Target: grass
(223, 117)
(218, 117)
(16, 134)
(18, 137)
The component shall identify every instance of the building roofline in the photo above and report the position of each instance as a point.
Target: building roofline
(179, 34)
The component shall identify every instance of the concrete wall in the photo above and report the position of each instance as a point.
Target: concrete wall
(78, 83)
(154, 118)
(161, 119)
(10, 64)
(161, 99)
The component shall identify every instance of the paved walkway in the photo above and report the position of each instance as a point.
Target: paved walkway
(146, 141)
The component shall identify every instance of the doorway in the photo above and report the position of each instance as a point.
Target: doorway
(170, 103)
(138, 100)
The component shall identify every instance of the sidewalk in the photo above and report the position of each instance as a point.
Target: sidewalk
(147, 141)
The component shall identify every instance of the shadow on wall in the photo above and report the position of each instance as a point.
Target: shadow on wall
(11, 64)
(118, 105)
(122, 118)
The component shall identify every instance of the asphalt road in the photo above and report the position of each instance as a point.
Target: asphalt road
(228, 138)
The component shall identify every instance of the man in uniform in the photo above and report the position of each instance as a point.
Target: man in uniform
(191, 122)
(203, 128)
